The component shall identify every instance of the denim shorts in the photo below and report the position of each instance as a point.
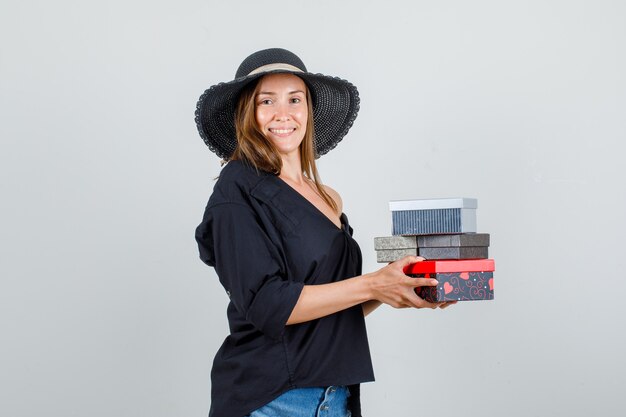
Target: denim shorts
(308, 402)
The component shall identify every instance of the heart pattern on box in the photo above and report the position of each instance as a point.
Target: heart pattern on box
(457, 286)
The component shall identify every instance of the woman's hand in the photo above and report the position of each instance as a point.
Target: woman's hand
(392, 286)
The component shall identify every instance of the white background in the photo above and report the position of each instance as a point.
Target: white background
(105, 307)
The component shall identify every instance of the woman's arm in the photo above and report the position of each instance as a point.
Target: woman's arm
(388, 285)
(370, 306)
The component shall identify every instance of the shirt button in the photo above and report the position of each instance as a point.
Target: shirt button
(333, 389)
(324, 407)
(228, 294)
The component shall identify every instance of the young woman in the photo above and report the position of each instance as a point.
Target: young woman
(283, 249)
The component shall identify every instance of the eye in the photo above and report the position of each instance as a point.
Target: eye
(265, 101)
(296, 100)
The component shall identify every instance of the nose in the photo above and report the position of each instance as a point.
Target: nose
(282, 113)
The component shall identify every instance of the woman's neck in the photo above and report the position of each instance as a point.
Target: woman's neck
(292, 169)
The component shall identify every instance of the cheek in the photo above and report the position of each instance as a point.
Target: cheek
(303, 116)
(260, 120)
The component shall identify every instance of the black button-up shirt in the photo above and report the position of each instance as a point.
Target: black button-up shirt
(266, 241)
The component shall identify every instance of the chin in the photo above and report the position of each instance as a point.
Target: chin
(286, 150)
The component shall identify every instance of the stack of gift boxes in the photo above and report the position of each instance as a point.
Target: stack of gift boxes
(443, 231)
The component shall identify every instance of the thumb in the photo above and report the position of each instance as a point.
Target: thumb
(408, 260)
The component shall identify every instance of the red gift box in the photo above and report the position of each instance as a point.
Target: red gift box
(459, 280)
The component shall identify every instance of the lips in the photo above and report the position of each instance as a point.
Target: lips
(282, 131)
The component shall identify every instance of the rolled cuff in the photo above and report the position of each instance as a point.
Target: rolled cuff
(273, 305)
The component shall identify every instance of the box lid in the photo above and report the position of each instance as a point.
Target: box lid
(431, 241)
(454, 240)
(433, 203)
(462, 265)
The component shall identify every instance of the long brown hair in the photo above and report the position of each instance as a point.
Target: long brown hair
(253, 147)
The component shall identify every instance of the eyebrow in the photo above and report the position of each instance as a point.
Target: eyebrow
(269, 93)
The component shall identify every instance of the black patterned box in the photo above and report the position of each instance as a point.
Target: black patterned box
(463, 280)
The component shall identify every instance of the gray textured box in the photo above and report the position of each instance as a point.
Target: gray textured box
(392, 255)
(431, 241)
(444, 241)
(463, 252)
(466, 252)
(395, 242)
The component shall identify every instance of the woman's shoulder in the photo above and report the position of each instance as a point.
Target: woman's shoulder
(235, 182)
(241, 172)
(335, 196)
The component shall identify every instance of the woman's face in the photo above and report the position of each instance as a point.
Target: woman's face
(282, 111)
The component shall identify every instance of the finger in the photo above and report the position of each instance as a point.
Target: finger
(418, 302)
(426, 304)
(408, 260)
(414, 300)
(401, 304)
(447, 304)
(422, 282)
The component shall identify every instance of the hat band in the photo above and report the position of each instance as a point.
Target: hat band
(274, 67)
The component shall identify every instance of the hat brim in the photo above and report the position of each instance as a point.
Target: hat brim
(335, 107)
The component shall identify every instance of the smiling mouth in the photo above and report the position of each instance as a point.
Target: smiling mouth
(282, 131)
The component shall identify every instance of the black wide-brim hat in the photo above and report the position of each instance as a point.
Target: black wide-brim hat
(335, 102)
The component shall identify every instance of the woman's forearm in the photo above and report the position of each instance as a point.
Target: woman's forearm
(370, 306)
(322, 300)
(388, 285)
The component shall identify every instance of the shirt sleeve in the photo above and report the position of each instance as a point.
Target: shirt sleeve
(249, 266)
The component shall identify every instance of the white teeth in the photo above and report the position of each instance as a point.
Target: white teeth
(281, 131)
